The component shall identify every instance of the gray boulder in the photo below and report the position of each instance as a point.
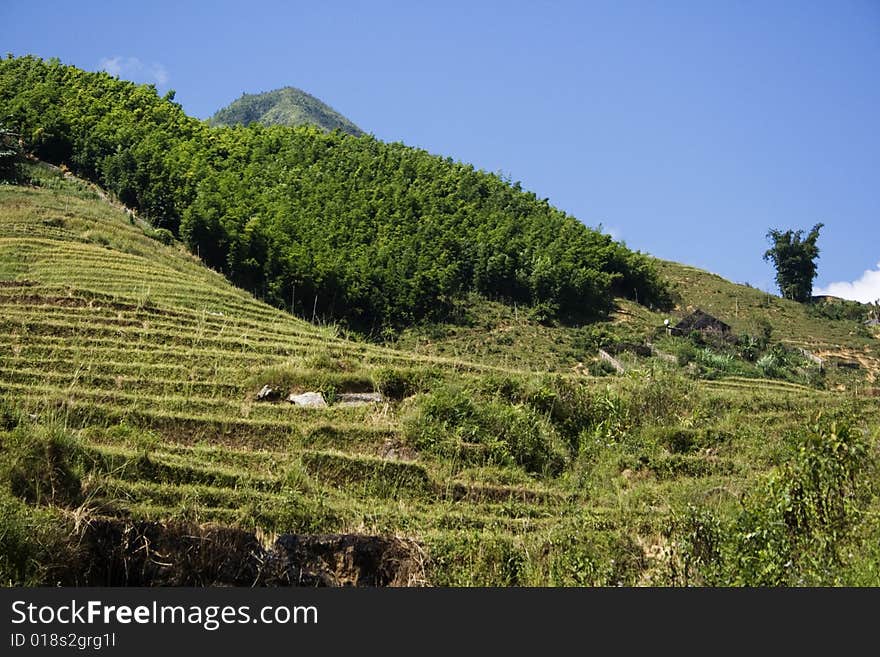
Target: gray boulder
(309, 399)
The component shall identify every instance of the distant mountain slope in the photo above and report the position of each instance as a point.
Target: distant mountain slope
(286, 106)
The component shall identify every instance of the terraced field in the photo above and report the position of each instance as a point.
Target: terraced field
(149, 364)
(495, 333)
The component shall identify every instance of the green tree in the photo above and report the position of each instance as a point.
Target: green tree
(10, 155)
(795, 260)
(347, 228)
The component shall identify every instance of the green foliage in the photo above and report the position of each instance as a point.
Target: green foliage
(455, 424)
(287, 106)
(795, 260)
(842, 309)
(723, 362)
(768, 364)
(33, 542)
(329, 225)
(162, 235)
(686, 353)
(795, 529)
(750, 347)
(476, 559)
(679, 440)
(699, 539)
(10, 156)
(42, 464)
(601, 368)
(397, 383)
(10, 415)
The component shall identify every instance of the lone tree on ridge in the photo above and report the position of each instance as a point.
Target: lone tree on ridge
(795, 261)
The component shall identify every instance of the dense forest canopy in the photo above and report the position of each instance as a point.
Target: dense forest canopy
(372, 234)
(287, 106)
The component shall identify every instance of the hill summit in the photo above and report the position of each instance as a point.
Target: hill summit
(286, 106)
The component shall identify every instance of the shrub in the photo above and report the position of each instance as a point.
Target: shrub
(162, 235)
(34, 544)
(660, 399)
(10, 416)
(452, 423)
(797, 527)
(601, 368)
(723, 362)
(687, 353)
(794, 529)
(42, 465)
(585, 557)
(750, 347)
(768, 364)
(10, 156)
(475, 559)
(397, 384)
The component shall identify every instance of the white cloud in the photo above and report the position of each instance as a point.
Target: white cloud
(112, 65)
(159, 73)
(865, 289)
(612, 231)
(134, 69)
(615, 233)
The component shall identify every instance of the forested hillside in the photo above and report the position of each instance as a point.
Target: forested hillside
(287, 106)
(345, 228)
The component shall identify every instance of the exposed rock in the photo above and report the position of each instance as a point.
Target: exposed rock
(268, 393)
(342, 560)
(310, 399)
(141, 553)
(608, 358)
(813, 358)
(359, 398)
(112, 552)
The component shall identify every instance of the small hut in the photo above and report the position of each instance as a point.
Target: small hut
(701, 322)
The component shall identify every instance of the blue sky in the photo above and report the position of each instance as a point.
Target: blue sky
(686, 129)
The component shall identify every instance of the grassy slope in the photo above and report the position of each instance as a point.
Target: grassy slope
(496, 333)
(152, 361)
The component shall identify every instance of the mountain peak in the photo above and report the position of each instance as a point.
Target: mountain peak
(284, 106)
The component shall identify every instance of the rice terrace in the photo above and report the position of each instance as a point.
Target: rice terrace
(294, 355)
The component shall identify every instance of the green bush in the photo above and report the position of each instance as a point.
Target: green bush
(162, 235)
(661, 399)
(723, 362)
(475, 559)
(797, 528)
(10, 156)
(34, 543)
(601, 368)
(585, 557)
(768, 364)
(10, 415)
(42, 465)
(676, 439)
(686, 353)
(455, 424)
(396, 383)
